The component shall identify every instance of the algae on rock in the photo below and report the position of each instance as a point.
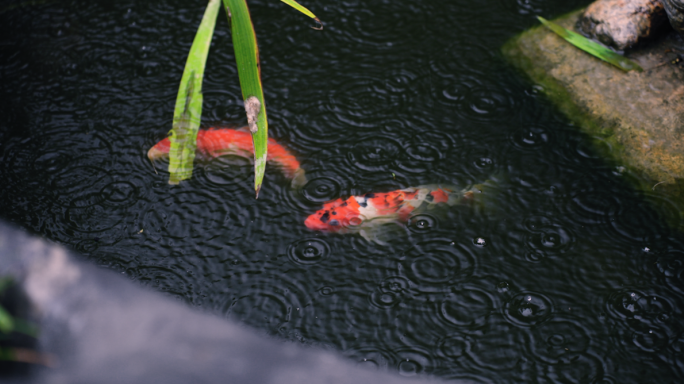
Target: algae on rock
(640, 114)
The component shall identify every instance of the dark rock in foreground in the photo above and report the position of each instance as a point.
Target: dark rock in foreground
(638, 117)
(623, 24)
(97, 327)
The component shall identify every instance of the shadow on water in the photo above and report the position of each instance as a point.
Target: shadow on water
(574, 277)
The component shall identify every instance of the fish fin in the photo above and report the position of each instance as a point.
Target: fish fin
(439, 211)
(484, 196)
(383, 230)
(299, 179)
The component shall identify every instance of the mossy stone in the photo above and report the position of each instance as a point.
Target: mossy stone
(640, 115)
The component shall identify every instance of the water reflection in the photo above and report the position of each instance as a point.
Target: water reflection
(570, 276)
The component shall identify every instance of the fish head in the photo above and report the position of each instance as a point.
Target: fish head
(160, 150)
(336, 216)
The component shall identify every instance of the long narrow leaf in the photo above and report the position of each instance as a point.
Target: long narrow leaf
(303, 10)
(188, 111)
(249, 72)
(592, 47)
(6, 321)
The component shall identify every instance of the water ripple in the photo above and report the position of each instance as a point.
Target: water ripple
(374, 153)
(308, 251)
(560, 340)
(321, 190)
(584, 368)
(497, 353)
(671, 266)
(528, 308)
(276, 303)
(437, 263)
(531, 137)
(467, 308)
(414, 361)
(633, 304)
(422, 223)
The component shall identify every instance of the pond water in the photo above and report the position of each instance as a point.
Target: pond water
(571, 276)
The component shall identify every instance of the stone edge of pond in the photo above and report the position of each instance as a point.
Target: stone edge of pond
(552, 63)
(98, 327)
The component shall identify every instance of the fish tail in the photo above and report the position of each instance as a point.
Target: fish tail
(287, 162)
(483, 196)
(298, 179)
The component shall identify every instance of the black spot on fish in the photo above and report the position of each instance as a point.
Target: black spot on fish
(429, 197)
(334, 222)
(344, 204)
(325, 217)
(363, 203)
(334, 213)
(369, 195)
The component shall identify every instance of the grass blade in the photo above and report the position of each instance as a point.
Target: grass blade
(303, 10)
(592, 47)
(188, 111)
(249, 72)
(6, 321)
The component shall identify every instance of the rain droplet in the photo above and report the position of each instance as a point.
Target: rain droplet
(502, 287)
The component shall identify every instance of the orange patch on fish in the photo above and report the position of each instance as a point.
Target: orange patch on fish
(215, 142)
(398, 205)
(439, 196)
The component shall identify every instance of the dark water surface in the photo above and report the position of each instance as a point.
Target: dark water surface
(572, 277)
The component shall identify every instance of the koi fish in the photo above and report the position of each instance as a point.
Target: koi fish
(215, 142)
(367, 214)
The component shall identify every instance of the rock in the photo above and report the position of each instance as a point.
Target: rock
(675, 12)
(623, 24)
(97, 327)
(635, 118)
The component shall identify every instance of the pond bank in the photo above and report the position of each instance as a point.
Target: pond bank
(636, 118)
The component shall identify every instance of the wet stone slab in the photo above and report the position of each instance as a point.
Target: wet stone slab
(636, 118)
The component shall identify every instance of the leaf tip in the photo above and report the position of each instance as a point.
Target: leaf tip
(319, 23)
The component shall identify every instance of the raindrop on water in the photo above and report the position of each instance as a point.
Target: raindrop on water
(502, 287)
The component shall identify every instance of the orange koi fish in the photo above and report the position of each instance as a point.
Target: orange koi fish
(366, 214)
(215, 142)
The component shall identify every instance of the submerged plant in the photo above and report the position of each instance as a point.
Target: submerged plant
(10, 324)
(592, 47)
(188, 110)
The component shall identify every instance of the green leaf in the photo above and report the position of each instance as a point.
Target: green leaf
(6, 321)
(25, 327)
(7, 354)
(249, 72)
(303, 10)
(592, 47)
(188, 111)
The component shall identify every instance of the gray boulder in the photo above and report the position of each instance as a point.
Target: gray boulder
(623, 24)
(99, 328)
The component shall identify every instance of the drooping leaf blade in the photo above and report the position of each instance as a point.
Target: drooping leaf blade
(592, 47)
(188, 111)
(303, 10)
(300, 8)
(249, 72)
